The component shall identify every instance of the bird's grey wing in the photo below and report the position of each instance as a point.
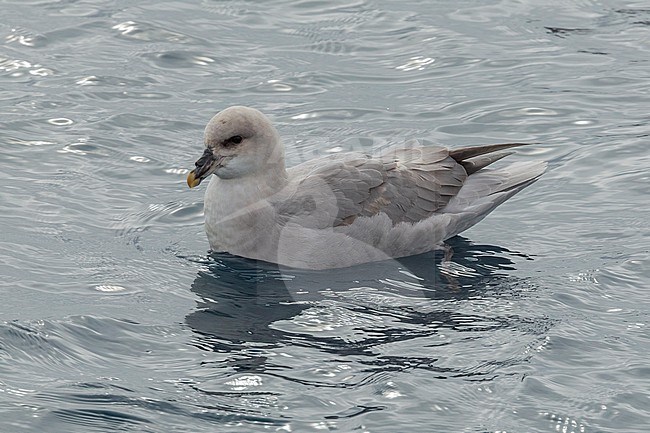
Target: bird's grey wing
(408, 185)
(328, 191)
(419, 181)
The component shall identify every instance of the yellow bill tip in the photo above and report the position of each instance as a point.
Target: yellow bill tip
(192, 180)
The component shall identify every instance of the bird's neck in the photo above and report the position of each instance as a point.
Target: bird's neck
(242, 191)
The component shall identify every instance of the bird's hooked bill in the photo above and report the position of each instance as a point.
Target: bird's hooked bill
(192, 180)
(205, 165)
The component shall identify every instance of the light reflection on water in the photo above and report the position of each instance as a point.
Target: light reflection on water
(112, 318)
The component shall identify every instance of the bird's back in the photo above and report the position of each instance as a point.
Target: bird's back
(403, 202)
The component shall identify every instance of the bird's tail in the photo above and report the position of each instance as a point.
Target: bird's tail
(486, 189)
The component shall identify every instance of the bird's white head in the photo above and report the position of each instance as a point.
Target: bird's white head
(239, 142)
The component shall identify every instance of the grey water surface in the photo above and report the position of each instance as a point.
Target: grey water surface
(114, 317)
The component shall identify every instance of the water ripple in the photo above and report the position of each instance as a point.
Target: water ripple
(114, 317)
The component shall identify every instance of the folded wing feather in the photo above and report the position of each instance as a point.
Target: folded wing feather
(407, 184)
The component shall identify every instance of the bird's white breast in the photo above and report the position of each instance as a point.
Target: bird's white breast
(239, 219)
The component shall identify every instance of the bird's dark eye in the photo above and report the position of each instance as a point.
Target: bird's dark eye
(235, 139)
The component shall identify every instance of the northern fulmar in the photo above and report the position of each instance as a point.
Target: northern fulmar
(346, 208)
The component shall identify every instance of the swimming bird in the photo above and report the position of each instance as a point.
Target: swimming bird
(342, 209)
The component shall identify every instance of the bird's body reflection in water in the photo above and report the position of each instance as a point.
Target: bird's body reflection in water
(250, 309)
